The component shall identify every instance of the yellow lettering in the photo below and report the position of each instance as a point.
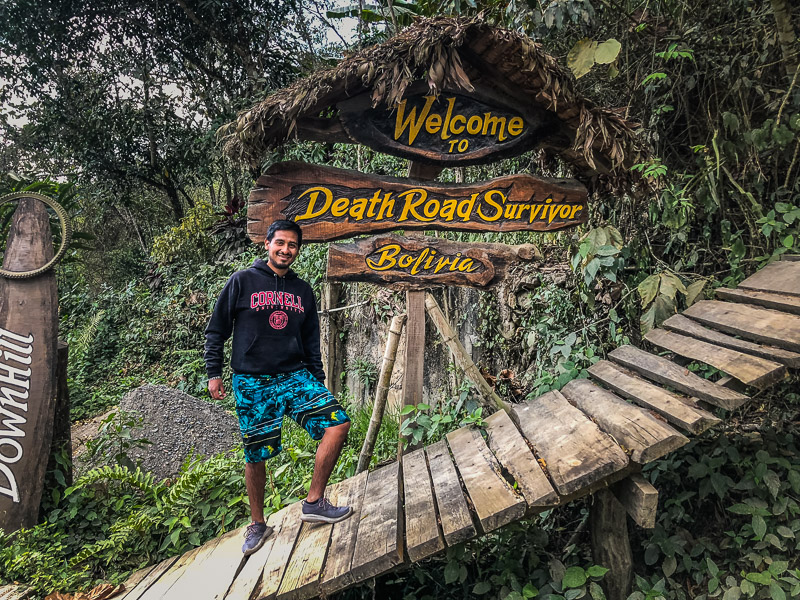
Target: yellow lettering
(314, 195)
(405, 261)
(454, 263)
(452, 145)
(358, 208)
(467, 266)
(522, 209)
(410, 206)
(372, 202)
(494, 122)
(575, 209)
(510, 210)
(515, 126)
(411, 122)
(553, 213)
(418, 262)
(431, 208)
(443, 262)
(387, 207)
(433, 124)
(339, 208)
(445, 132)
(564, 211)
(430, 258)
(457, 129)
(534, 212)
(387, 258)
(489, 197)
(475, 124)
(448, 209)
(465, 207)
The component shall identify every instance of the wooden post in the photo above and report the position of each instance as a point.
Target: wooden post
(28, 338)
(330, 338)
(611, 547)
(460, 354)
(381, 393)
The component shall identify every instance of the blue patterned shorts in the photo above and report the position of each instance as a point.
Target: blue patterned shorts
(262, 400)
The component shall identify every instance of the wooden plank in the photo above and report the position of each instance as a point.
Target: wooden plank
(414, 358)
(331, 204)
(212, 572)
(28, 347)
(148, 580)
(790, 257)
(666, 372)
(673, 408)
(250, 576)
(336, 575)
(133, 580)
(305, 567)
(454, 513)
(681, 324)
(645, 437)
(513, 452)
(13, 592)
(493, 499)
(779, 277)
(639, 498)
(281, 552)
(162, 586)
(781, 302)
(750, 370)
(423, 536)
(379, 544)
(759, 324)
(576, 452)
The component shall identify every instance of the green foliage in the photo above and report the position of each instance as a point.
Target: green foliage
(660, 295)
(188, 240)
(426, 424)
(115, 439)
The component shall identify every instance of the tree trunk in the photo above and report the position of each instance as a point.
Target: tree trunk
(611, 547)
(381, 393)
(782, 11)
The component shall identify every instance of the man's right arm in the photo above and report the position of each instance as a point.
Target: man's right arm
(218, 331)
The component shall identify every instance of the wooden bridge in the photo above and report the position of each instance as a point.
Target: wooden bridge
(595, 433)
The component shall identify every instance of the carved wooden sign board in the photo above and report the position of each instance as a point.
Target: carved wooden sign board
(331, 204)
(451, 129)
(28, 338)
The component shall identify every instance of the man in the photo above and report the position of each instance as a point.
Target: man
(277, 370)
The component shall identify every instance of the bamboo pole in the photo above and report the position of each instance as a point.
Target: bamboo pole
(381, 393)
(460, 354)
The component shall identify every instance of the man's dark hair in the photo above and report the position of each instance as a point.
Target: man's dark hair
(285, 225)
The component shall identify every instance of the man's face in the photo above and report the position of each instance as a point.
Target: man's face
(282, 250)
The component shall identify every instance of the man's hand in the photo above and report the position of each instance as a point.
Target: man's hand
(216, 389)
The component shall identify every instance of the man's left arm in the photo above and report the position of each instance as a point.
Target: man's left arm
(310, 334)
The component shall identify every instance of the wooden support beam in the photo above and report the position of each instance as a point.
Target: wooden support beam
(611, 547)
(414, 362)
(460, 354)
(639, 498)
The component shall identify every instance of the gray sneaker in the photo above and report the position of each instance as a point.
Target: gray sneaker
(323, 511)
(255, 536)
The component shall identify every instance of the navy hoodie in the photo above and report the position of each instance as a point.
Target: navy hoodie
(274, 324)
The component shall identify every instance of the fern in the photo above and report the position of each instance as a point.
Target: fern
(137, 479)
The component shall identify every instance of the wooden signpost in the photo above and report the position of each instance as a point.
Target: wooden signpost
(28, 343)
(451, 129)
(331, 204)
(420, 262)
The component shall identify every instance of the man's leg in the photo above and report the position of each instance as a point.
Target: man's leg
(255, 478)
(330, 447)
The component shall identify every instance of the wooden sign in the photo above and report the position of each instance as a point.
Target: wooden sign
(451, 129)
(28, 344)
(331, 204)
(421, 262)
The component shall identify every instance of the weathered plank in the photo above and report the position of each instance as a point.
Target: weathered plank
(211, 573)
(759, 324)
(13, 592)
(164, 584)
(250, 575)
(576, 452)
(153, 575)
(379, 544)
(513, 452)
(681, 324)
(414, 358)
(280, 554)
(750, 370)
(639, 498)
(494, 501)
(779, 277)
(790, 257)
(673, 408)
(666, 372)
(303, 571)
(781, 302)
(336, 575)
(644, 436)
(423, 536)
(454, 514)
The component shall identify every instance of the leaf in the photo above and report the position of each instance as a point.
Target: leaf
(695, 291)
(607, 52)
(712, 567)
(773, 483)
(669, 565)
(580, 58)
(647, 322)
(747, 587)
(670, 285)
(651, 554)
(596, 591)
(529, 591)
(481, 588)
(732, 593)
(451, 571)
(596, 571)
(762, 578)
(574, 577)
(648, 289)
(776, 591)
(759, 526)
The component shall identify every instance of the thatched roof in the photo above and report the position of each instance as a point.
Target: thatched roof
(447, 53)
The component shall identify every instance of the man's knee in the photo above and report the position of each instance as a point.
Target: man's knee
(338, 431)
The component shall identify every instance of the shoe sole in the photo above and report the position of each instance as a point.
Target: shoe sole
(258, 546)
(311, 518)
